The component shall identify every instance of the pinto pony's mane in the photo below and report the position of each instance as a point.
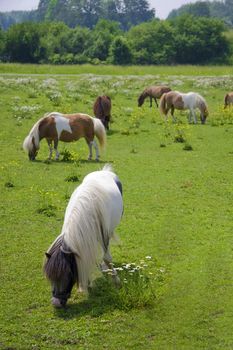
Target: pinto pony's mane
(33, 137)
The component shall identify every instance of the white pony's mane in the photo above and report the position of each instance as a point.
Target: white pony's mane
(86, 227)
(200, 100)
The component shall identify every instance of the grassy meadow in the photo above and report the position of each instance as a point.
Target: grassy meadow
(175, 255)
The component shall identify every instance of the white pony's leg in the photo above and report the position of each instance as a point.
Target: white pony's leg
(194, 116)
(107, 262)
(190, 117)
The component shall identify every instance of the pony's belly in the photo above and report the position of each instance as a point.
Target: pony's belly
(69, 137)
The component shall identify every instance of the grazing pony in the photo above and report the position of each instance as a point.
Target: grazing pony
(102, 110)
(191, 100)
(153, 92)
(56, 127)
(93, 212)
(228, 99)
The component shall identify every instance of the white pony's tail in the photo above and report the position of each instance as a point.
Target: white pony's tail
(33, 136)
(108, 167)
(100, 132)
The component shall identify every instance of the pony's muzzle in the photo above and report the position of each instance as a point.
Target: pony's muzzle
(58, 303)
(32, 155)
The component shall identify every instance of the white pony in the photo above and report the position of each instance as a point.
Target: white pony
(93, 212)
(176, 100)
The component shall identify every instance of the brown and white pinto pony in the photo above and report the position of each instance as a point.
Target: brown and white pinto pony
(102, 109)
(182, 101)
(153, 92)
(56, 127)
(228, 99)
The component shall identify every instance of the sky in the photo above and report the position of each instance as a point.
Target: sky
(162, 7)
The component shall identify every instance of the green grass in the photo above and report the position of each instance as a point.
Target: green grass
(177, 209)
(17, 68)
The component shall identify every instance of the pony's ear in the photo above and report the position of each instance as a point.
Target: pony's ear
(48, 255)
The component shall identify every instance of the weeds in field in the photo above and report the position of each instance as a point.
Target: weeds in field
(24, 112)
(222, 116)
(69, 156)
(174, 132)
(46, 205)
(139, 283)
(32, 93)
(55, 97)
(187, 147)
(72, 178)
(9, 184)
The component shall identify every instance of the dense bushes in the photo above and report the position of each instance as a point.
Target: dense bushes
(183, 40)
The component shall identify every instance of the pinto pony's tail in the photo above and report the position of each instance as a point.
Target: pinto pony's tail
(100, 132)
(162, 105)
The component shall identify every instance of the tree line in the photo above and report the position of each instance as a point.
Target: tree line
(85, 13)
(184, 40)
(216, 9)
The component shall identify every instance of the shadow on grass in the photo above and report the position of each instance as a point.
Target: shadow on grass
(112, 132)
(103, 297)
(86, 161)
(81, 161)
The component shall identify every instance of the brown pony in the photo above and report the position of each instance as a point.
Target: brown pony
(102, 110)
(56, 127)
(153, 92)
(191, 100)
(228, 99)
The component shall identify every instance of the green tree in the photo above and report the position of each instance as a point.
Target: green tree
(152, 43)
(135, 12)
(2, 44)
(199, 40)
(120, 52)
(102, 37)
(23, 43)
(199, 8)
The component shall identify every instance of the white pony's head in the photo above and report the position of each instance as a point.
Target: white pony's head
(203, 108)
